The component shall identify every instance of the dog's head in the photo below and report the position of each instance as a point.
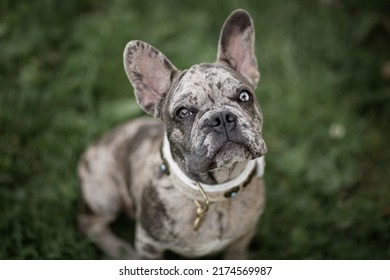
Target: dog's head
(210, 111)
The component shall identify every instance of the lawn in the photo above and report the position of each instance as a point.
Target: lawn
(324, 91)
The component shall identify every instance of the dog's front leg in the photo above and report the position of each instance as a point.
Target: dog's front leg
(146, 246)
(96, 227)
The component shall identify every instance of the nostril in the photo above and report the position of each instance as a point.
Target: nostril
(214, 121)
(229, 117)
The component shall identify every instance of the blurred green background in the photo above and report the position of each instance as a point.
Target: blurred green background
(324, 91)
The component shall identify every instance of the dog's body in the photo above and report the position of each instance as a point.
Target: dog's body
(193, 183)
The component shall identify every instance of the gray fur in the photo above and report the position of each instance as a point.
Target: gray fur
(122, 171)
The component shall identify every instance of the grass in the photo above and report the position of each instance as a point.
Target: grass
(325, 101)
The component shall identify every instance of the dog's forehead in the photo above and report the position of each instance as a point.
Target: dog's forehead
(207, 81)
(210, 75)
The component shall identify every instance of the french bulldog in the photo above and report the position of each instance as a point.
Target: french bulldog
(191, 177)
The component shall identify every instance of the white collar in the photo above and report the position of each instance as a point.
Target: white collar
(217, 192)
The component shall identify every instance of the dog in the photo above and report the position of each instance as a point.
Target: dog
(191, 177)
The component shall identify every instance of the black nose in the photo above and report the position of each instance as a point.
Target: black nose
(223, 121)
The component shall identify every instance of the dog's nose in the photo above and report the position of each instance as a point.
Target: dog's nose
(222, 121)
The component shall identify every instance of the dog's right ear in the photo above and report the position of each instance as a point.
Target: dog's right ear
(150, 73)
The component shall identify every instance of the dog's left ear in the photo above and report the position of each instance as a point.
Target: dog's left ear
(237, 45)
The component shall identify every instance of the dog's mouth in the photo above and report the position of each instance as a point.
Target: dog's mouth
(226, 155)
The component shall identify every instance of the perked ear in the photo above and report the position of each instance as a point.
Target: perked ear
(150, 73)
(237, 45)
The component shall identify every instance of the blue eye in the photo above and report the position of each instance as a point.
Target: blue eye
(184, 113)
(244, 96)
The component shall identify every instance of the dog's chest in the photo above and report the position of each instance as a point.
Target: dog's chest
(168, 217)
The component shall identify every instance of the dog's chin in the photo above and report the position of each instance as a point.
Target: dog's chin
(230, 154)
(226, 156)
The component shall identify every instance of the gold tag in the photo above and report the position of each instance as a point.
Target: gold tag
(201, 210)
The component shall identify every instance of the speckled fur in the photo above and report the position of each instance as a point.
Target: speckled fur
(121, 171)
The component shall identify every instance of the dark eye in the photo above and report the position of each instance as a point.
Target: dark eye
(184, 113)
(244, 96)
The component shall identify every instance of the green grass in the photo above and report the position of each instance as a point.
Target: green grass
(326, 107)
